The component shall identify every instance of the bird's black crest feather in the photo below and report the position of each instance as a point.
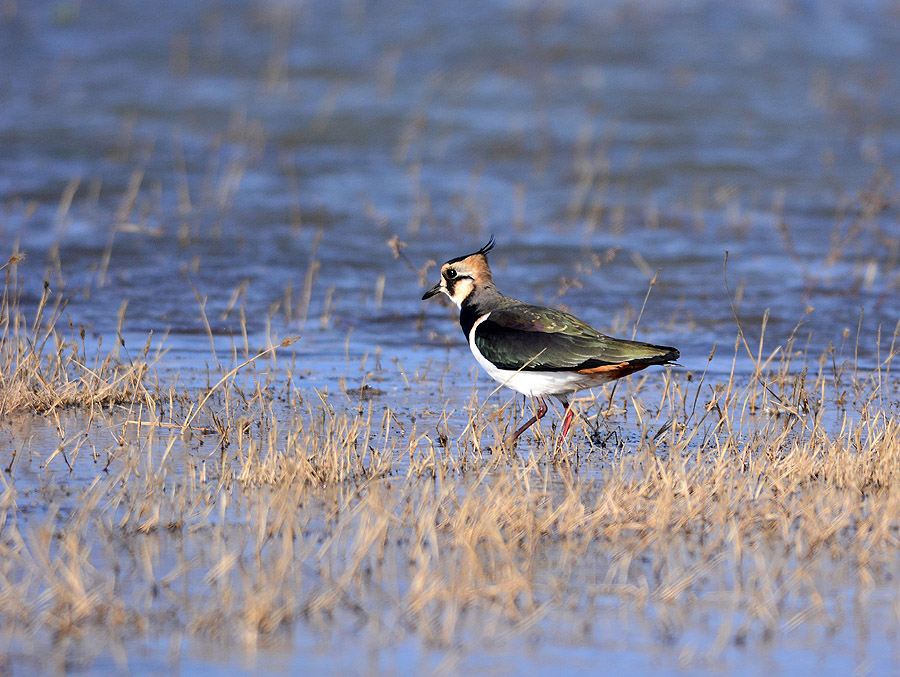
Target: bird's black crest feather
(486, 248)
(483, 251)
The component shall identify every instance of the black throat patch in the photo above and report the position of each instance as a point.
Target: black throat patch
(468, 315)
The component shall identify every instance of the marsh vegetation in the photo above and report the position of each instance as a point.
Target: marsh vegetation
(231, 434)
(249, 512)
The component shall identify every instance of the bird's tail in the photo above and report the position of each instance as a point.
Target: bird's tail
(639, 353)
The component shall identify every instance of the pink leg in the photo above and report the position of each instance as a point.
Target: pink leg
(539, 414)
(567, 421)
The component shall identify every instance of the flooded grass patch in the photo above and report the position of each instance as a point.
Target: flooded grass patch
(46, 366)
(715, 513)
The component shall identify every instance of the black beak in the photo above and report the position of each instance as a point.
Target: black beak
(436, 289)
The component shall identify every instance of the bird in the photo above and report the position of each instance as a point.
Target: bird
(535, 350)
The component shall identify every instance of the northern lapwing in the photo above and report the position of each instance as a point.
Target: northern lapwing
(535, 350)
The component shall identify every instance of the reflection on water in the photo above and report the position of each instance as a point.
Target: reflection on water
(248, 164)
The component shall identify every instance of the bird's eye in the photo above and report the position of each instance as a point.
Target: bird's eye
(450, 274)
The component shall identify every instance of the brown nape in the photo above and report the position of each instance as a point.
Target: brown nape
(614, 371)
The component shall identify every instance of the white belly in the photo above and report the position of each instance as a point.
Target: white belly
(534, 383)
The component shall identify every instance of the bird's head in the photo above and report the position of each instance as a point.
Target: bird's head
(463, 276)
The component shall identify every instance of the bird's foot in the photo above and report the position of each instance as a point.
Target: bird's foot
(606, 438)
(504, 446)
(508, 445)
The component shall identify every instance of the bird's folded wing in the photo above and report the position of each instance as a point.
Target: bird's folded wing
(532, 338)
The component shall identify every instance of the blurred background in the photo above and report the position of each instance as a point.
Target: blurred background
(297, 165)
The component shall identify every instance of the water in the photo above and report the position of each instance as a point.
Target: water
(256, 126)
(261, 156)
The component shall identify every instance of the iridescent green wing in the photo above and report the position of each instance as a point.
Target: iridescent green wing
(532, 338)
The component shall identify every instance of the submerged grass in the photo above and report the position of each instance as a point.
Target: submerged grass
(248, 513)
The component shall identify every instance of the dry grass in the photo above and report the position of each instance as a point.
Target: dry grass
(45, 367)
(247, 513)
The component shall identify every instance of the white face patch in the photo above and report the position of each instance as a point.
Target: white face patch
(461, 289)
